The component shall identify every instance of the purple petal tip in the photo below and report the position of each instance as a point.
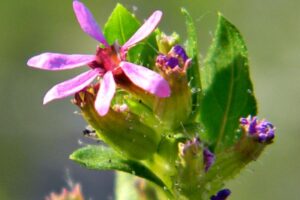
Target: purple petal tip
(221, 195)
(209, 159)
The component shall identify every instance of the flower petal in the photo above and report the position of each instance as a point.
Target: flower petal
(105, 94)
(56, 61)
(87, 22)
(145, 30)
(146, 79)
(71, 86)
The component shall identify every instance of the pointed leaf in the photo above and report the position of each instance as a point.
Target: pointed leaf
(120, 27)
(228, 92)
(104, 158)
(193, 71)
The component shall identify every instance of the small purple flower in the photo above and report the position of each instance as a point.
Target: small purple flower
(208, 158)
(178, 51)
(176, 60)
(108, 63)
(261, 130)
(221, 195)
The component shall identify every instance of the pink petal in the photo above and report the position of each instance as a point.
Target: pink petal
(146, 79)
(105, 94)
(87, 22)
(146, 29)
(71, 86)
(56, 61)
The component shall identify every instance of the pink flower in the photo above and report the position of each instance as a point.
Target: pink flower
(108, 63)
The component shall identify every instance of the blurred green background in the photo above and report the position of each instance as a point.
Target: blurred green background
(35, 140)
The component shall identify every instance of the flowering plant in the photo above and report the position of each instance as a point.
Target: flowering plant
(178, 129)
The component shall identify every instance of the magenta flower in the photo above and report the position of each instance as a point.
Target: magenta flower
(108, 63)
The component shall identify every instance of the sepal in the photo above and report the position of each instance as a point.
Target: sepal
(166, 42)
(195, 161)
(176, 109)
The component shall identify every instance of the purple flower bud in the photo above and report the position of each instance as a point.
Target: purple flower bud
(209, 158)
(176, 60)
(252, 126)
(221, 195)
(261, 130)
(172, 62)
(161, 59)
(176, 109)
(243, 121)
(180, 52)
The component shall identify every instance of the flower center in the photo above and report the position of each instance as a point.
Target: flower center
(107, 59)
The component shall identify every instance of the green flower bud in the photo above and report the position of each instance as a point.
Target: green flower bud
(144, 112)
(191, 168)
(121, 129)
(165, 42)
(176, 109)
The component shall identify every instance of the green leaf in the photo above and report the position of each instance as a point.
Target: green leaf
(228, 92)
(120, 26)
(193, 71)
(104, 158)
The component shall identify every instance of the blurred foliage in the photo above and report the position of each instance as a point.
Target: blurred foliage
(35, 140)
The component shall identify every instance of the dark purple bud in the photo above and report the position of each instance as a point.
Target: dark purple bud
(161, 59)
(252, 126)
(271, 134)
(261, 130)
(208, 158)
(176, 60)
(264, 126)
(179, 51)
(172, 62)
(243, 121)
(165, 61)
(221, 195)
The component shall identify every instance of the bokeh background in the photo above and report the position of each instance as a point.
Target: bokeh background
(35, 140)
